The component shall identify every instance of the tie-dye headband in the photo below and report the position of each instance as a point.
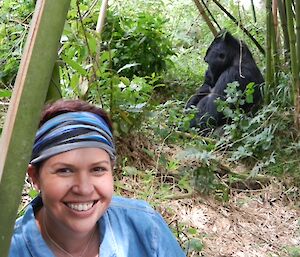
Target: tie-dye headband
(70, 131)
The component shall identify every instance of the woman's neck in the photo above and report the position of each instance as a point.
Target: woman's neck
(67, 243)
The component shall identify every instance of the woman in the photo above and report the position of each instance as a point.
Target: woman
(75, 213)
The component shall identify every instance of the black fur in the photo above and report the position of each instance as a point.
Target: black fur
(225, 65)
(203, 91)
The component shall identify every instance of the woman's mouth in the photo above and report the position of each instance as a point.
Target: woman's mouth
(81, 206)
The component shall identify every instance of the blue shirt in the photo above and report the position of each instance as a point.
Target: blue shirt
(129, 228)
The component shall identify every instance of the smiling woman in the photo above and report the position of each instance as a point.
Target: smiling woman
(76, 213)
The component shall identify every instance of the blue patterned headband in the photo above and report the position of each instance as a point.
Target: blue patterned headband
(70, 131)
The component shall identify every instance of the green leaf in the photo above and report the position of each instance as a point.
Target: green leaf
(5, 93)
(92, 44)
(192, 231)
(74, 65)
(125, 80)
(129, 170)
(74, 82)
(104, 56)
(33, 193)
(195, 245)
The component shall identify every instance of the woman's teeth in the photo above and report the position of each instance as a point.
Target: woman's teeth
(80, 206)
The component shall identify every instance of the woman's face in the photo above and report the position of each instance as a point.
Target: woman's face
(76, 188)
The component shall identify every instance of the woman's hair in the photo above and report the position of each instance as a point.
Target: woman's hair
(62, 106)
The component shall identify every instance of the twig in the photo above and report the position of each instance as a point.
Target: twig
(87, 13)
(178, 196)
(159, 153)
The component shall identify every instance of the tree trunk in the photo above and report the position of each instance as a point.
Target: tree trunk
(24, 110)
(205, 17)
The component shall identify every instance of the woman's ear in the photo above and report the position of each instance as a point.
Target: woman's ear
(34, 176)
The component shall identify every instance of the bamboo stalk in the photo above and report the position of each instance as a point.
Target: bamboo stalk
(292, 40)
(269, 76)
(54, 90)
(27, 100)
(275, 43)
(297, 98)
(102, 15)
(275, 18)
(205, 17)
(283, 22)
(211, 15)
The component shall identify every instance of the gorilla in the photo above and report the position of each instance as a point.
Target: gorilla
(229, 60)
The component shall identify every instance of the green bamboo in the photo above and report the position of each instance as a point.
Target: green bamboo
(23, 115)
(297, 96)
(275, 57)
(54, 90)
(269, 74)
(292, 40)
(283, 22)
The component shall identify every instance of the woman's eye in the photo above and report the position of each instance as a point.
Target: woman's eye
(99, 170)
(64, 171)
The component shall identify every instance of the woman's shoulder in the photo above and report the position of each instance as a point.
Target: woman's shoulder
(18, 244)
(133, 215)
(143, 224)
(128, 204)
(18, 227)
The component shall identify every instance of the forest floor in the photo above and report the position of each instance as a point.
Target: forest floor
(250, 224)
(260, 223)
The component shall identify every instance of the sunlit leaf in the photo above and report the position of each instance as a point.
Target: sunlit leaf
(76, 66)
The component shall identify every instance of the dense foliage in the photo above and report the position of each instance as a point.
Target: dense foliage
(14, 20)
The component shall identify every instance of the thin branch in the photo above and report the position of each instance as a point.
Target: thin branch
(205, 17)
(210, 14)
(101, 18)
(261, 49)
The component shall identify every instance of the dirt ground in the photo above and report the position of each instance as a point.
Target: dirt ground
(251, 224)
(254, 223)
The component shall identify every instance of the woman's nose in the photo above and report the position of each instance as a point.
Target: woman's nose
(83, 184)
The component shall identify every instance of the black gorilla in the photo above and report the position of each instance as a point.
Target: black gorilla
(228, 60)
(203, 91)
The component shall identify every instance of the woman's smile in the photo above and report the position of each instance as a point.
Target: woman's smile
(81, 206)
